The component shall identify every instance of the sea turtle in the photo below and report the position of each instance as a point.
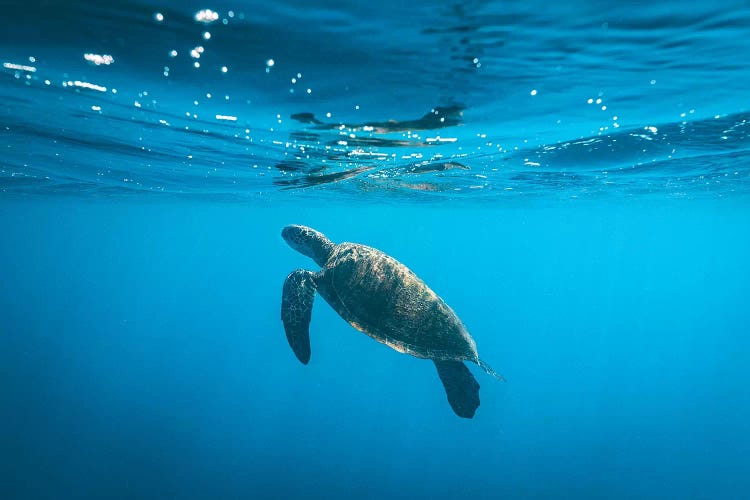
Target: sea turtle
(384, 299)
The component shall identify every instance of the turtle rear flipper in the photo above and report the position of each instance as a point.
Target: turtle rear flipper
(460, 385)
(296, 310)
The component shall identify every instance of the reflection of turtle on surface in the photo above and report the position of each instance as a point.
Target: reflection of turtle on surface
(439, 166)
(438, 117)
(382, 298)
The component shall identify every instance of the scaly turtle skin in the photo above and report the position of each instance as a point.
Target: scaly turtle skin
(384, 299)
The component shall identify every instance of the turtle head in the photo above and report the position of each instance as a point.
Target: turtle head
(308, 241)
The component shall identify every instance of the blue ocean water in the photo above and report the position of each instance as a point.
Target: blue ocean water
(572, 178)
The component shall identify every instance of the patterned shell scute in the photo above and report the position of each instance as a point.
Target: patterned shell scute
(383, 298)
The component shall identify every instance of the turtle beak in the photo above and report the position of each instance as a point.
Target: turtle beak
(286, 233)
(295, 235)
(291, 233)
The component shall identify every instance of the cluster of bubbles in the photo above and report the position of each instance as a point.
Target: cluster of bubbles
(99, 59)
(207, 17)
(204, 16)
(598, 101)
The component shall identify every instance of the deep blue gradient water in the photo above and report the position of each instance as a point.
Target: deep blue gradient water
(572, 178)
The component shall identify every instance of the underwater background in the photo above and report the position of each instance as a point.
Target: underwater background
(572, 178)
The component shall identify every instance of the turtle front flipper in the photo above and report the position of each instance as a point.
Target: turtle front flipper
(296, 310)
(460, 385)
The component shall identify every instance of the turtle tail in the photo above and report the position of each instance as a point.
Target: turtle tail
(488, 369)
